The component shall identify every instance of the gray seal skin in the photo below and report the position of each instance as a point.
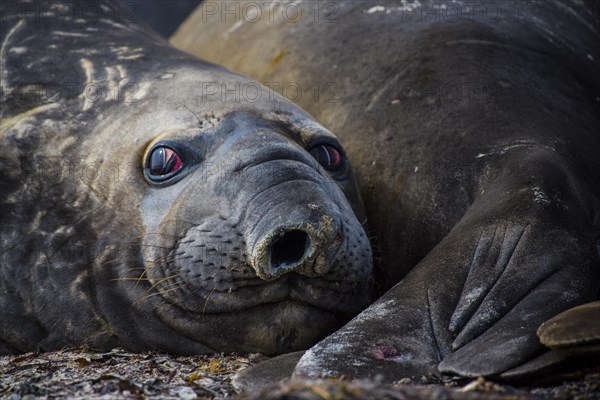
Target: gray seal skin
(475, 137)
(155, 201)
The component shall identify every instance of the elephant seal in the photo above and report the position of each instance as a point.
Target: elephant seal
(474, 133)
(155, 201)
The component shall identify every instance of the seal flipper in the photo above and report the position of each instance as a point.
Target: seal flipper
(512, 339)
(523, 252)
(540, 365)
(266, 373)
(572, 333)
(552, 266)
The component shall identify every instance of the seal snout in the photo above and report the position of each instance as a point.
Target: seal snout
(301, 248)
(289, 250)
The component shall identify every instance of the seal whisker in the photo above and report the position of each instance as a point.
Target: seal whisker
(164, 234)
(125, 269)
(207, 298)
(163, 260)
(172, 286)
(144, 273)
(130, 260)
(154, 245)
(167, 288)
(131, 279)
(187, 222)
(193, 113)
(147, 296)
(161, 281)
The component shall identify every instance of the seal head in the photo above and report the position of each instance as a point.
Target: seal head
(155, 201)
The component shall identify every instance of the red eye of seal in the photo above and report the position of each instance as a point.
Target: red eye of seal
(328, 156)
(163, 161)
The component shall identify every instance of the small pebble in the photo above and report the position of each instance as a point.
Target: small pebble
(186, 393)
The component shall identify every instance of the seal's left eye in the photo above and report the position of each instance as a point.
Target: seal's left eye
(328, 156)
(163, 163)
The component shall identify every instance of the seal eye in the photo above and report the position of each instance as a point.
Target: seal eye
(163, 163)
(328, 156)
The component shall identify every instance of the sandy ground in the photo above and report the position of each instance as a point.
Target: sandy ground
(83, 374)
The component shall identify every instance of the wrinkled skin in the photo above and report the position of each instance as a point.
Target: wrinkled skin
(251, 245)
(475, 141)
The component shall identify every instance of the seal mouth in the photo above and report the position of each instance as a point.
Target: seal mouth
(291, 287)
(269, 328)
(294, 300)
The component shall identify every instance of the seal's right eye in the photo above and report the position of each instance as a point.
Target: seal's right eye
(163, 163)
(328, 156)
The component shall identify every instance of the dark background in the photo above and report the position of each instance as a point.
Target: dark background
(164, 16)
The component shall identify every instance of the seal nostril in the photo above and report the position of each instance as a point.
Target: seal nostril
(289, 249)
